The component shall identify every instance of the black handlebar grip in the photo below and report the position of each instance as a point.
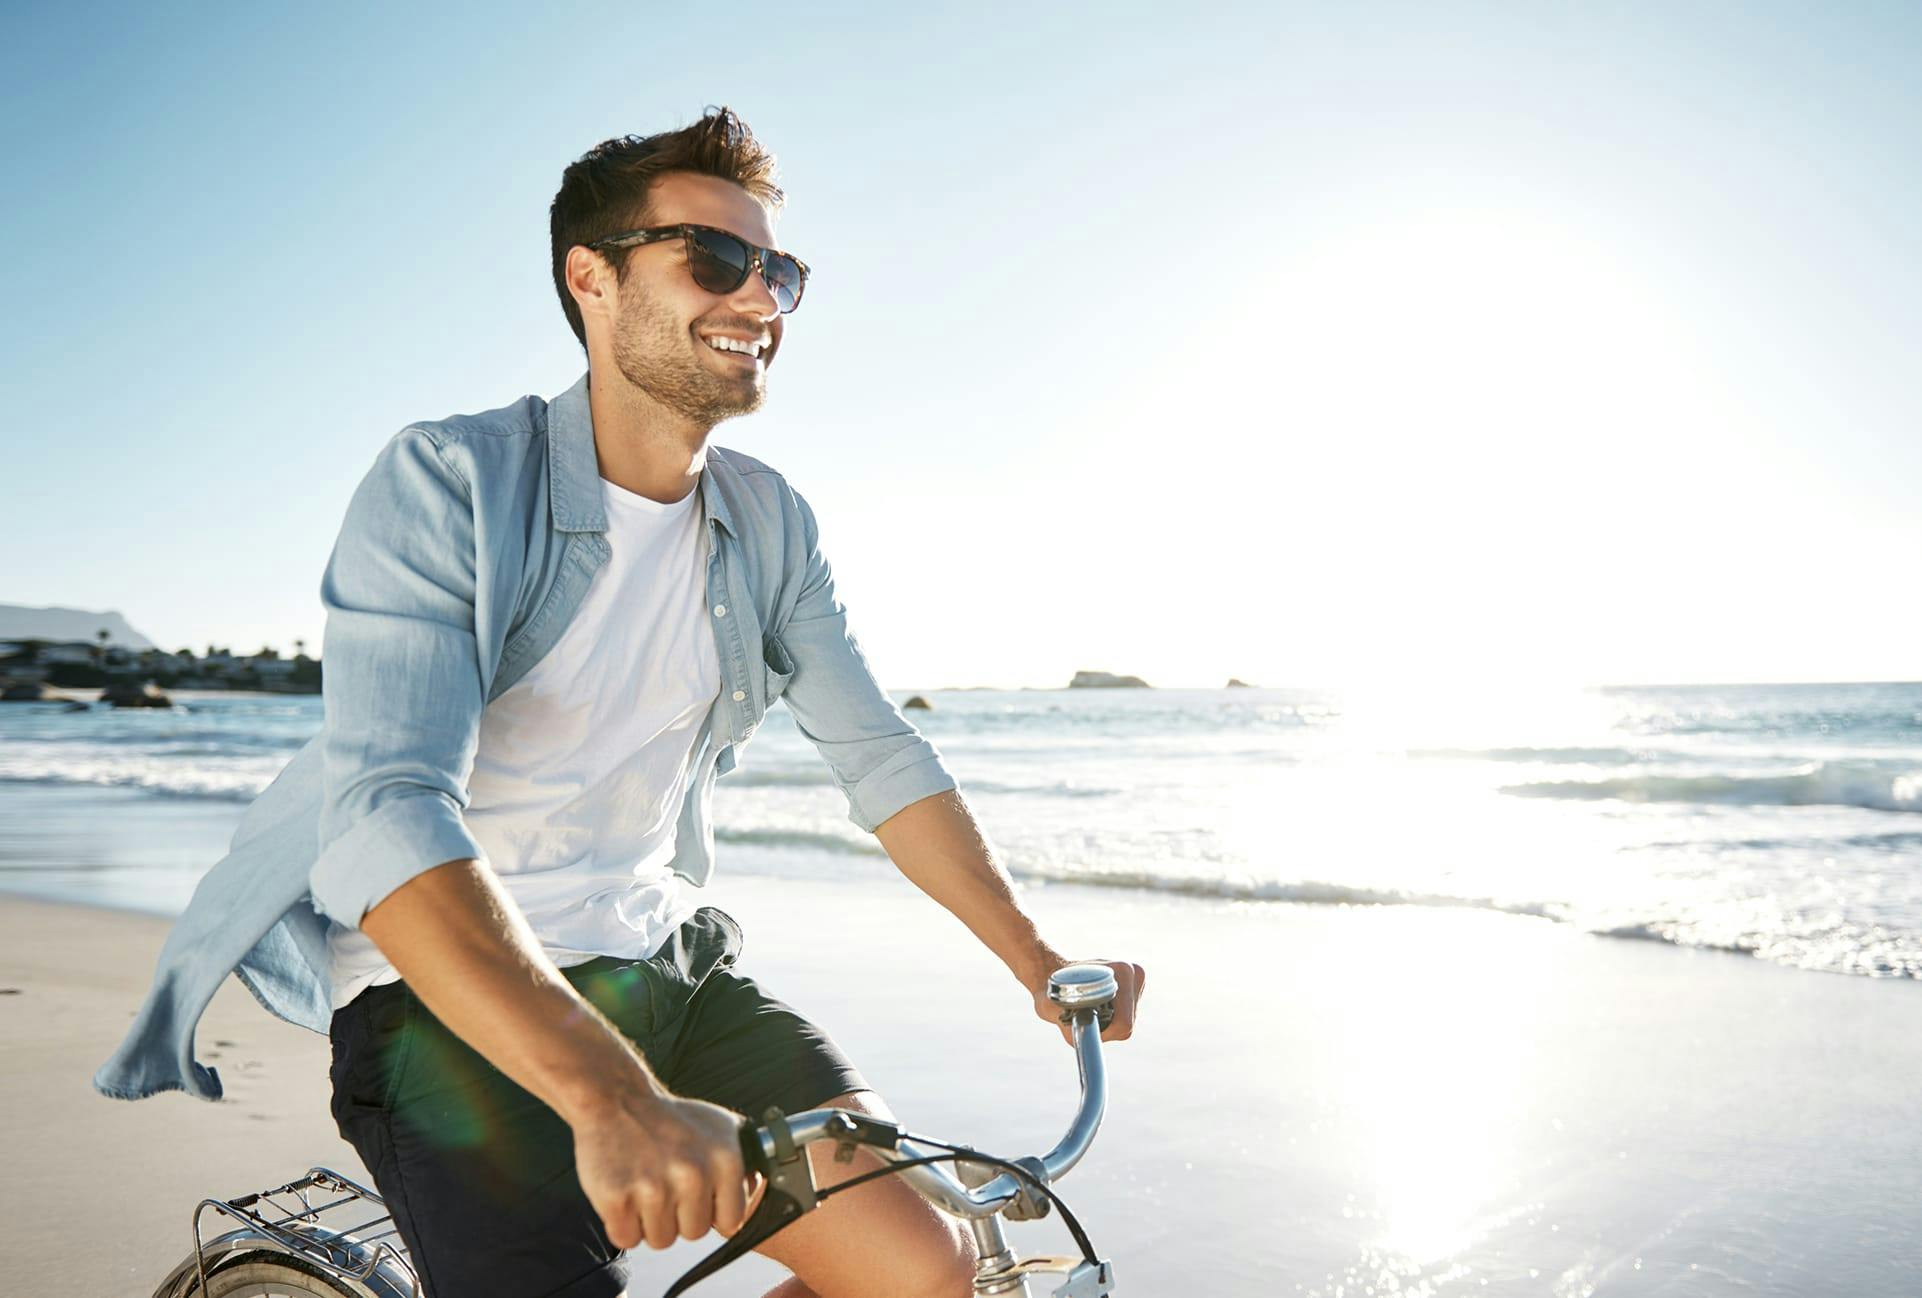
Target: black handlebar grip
(753, 1155)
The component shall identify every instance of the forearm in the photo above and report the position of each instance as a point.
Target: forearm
(464, 948)
(938, 845)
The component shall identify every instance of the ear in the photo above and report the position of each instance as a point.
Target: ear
(590, 280)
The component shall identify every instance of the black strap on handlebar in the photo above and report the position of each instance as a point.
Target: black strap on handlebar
(779, 1209)
(790, 1192)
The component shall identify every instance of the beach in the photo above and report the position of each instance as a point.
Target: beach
(1319, 1100)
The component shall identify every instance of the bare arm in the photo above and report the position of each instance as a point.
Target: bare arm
(652, 1164)
(464, 948)
(938, 845)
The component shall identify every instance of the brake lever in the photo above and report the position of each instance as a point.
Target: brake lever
(790, 1189)
(787, 1170)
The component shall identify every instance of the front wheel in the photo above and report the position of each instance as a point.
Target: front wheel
(260, 1275)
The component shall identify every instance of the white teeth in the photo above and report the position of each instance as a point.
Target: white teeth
(721, 344)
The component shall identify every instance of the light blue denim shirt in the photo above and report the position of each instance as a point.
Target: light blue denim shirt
(465, 552)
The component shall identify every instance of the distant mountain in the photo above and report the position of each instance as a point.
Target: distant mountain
(21, 622)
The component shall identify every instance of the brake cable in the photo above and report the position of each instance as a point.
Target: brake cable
(778, 1210)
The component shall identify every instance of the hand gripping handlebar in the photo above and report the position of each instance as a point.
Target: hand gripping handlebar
(776, 1147)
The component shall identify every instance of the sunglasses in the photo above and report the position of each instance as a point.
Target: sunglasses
(720, 261)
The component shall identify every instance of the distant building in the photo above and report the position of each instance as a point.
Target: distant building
(68, 651)
(154, 660)
(87, 662)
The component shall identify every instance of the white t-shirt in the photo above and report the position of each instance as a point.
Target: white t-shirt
(583, 763)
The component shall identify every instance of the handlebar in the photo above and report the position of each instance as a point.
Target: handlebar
(1085, 993)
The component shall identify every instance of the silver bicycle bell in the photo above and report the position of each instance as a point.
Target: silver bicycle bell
(1083, 987)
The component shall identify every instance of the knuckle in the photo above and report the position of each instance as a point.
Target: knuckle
(660, 1234)
(621, 1224)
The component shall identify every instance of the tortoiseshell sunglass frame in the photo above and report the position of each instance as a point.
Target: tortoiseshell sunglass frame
(757, 262)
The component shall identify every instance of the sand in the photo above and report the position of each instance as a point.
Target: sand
(1320, 1100)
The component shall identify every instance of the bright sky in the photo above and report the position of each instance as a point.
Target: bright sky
(1308, 344)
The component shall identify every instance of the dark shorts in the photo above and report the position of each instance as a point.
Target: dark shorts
(479, 1174)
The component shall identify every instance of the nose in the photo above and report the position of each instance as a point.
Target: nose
(754, 297)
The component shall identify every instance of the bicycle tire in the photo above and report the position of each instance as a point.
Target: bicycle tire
(268, 1275)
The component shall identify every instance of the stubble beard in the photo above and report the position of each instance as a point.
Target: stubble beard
(652, 350)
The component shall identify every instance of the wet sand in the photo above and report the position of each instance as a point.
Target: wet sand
(1319, 1100)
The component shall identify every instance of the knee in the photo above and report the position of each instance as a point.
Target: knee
(942, 1269)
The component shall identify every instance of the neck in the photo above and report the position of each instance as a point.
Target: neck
(641, 445)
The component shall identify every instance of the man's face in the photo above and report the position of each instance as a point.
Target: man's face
(663, 318)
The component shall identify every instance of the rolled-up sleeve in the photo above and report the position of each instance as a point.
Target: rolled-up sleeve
(878, 759)
(401, 681)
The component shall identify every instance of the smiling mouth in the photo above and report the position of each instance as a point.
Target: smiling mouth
(736, 349)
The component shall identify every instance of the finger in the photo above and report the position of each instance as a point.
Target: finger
(730, 1195)
(730, 1208)
(756, 1191)
(657, 1216)
(1122, 1024)
(694, 1213)
(623, 1225)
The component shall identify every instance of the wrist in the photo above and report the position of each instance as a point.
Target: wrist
(604, 1077)
(590, 1103)
(1034, 968)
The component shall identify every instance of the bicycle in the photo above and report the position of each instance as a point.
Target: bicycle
(288, 1245)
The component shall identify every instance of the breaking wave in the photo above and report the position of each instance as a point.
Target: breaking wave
(219, 785)
(1871, 785)
(1553, 756)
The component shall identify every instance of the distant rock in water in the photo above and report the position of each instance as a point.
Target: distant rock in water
(1106, 681)
(35, 692)
(147, 695)
(1235, 684)
(917, 702)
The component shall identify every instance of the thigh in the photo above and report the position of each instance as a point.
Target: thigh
(878, 1240)
(741, 1048)
(737, 1046)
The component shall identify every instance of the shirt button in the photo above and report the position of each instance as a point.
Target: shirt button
(720, 610)
(739, 695)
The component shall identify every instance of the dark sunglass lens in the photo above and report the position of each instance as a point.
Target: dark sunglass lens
(717, 260)
(784, 280)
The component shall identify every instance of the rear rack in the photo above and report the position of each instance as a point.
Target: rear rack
(335, 1233)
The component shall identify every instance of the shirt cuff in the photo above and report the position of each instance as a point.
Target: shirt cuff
(914, 773)
(404, 837)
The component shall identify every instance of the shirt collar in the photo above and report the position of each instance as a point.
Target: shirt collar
(574, 472)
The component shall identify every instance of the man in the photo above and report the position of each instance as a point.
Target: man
(550, 626)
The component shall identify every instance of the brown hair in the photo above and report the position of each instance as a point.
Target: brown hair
(605, 192)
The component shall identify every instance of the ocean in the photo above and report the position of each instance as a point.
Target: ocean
(1779, 821)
